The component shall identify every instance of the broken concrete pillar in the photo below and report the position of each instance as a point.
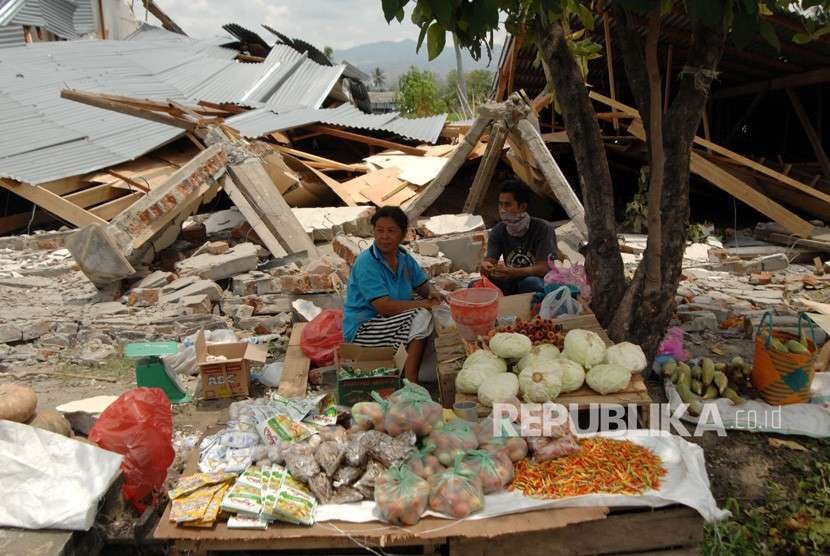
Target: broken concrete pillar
(349, 247)
(197, 304)
(99, 257)
(237, 260)
(254, 283)
(155, 279)
(464, 250)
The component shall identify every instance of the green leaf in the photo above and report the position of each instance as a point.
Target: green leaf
(421, 36)
(584, 14)
(391, 9)
(400, 15)
(802, 38)
(436, 38)
(443, 11)
(768, 32)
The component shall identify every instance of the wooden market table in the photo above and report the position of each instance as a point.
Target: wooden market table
(672, 530)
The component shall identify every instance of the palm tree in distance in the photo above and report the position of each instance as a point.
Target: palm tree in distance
(378, 78)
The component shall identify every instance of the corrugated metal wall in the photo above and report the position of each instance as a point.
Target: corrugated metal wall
(30, 14)
(59, 16)
(84, 20)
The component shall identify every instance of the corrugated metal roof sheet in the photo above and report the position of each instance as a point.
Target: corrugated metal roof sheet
(59, 16)
(11, 35)
(55, 138)
(263, 121)
(8, 9)
(84, 20)
(30, 14)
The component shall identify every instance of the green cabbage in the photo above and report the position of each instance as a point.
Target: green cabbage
(542, 352)
(584, 347)
(498, 389)
(627, 355)
(510, 345)
(607, 379)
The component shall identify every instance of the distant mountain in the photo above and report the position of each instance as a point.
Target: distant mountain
(395, 58)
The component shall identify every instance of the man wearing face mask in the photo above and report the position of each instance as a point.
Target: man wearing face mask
(524, 242)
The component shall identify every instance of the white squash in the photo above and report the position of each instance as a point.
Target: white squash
(542, 352)
(607, 379)
(498, 388)
(540, 384)
(510, 345)
(584, 347)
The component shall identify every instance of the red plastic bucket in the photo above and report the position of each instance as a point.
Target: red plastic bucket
(474, 311)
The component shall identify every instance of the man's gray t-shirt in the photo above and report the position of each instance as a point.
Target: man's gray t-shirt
(535, 246)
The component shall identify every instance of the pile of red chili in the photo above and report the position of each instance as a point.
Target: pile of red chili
(603, 465)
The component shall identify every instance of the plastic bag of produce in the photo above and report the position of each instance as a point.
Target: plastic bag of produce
(346, 476)
(544, 449)
(366, 484)
(424, 463)
(369, 415)
(401, 496)
(503, 440)
(494, 469)
(301, 463)
(451, 439)
(559, 302)
(320, 486)
(409, 390)
(355, 452)
(393, 451)
(456, 492)
(411, 412)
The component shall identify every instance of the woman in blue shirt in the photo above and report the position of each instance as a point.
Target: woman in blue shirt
(379, 309)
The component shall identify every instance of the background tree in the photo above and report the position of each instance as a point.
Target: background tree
(479, 84)
(641, 309)
(418, 94)
(378, 78)
(328, 51)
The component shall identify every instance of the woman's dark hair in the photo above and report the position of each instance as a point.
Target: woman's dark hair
(520, 192)
(395, 213)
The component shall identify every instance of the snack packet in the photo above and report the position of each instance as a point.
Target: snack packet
(191, 483)
(286, 500)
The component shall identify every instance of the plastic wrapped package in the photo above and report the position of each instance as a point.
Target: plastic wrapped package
(346, 475)
(366, 484)
(545, 449)
(401, 496)
(456, 492)
(301, 463)
(453, 438)
(424, 463)
(494, 470)
(320, 486)
(368, 415)
(355, 452)
(409, 390)
(329, 455)
(393, 451)
(334, 433)
(549, 419)
(284, 499)
(345, 495)
(515, 447)
(412, 412)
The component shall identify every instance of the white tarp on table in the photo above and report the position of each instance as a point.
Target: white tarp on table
(807, 419)
(686, 482)
(48, 481)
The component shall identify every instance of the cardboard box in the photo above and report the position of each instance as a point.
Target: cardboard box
(353, 390)
(229, 377)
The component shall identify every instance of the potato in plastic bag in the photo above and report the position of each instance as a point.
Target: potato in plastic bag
(424, 463)
(456, 492)
(494, 470)
(451, 439)
(368, 415)
(411, 412)
(329, 455)
(401, 496)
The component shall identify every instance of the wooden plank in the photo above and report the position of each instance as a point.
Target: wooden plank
(67, 185)
(19, 221)
(93, 99)
(252, 180)
(383, 187)
(623, 532)
(294, 380)
(165, 19)
(486, 168)
(433, 189)
(417, 170)
(334, 185)
(815, 140)
(253, 219)
(793, 81)
(314, 158)
(60, 207)
(543, 160)
(95, 195)
(342, 134)
(110, 210)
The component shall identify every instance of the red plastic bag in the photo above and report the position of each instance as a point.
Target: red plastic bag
(486, 283)
(139, 426)
(322, 337)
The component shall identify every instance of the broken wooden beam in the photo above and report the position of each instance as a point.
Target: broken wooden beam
(486, 169)
(254, 220)
(348, 135)
(430, 192)
(100, 101)
(62, 208)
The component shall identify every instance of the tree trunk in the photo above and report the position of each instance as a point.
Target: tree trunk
(602, 257)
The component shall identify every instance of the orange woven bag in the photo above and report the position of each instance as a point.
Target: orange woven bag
(782, 378)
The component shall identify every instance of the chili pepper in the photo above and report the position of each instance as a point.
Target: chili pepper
(603, 465)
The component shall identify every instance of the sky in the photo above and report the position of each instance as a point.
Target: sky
(336, 23)
(339, 24)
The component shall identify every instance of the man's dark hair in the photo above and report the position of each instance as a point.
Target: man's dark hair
(520, 191)
(395, 213)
